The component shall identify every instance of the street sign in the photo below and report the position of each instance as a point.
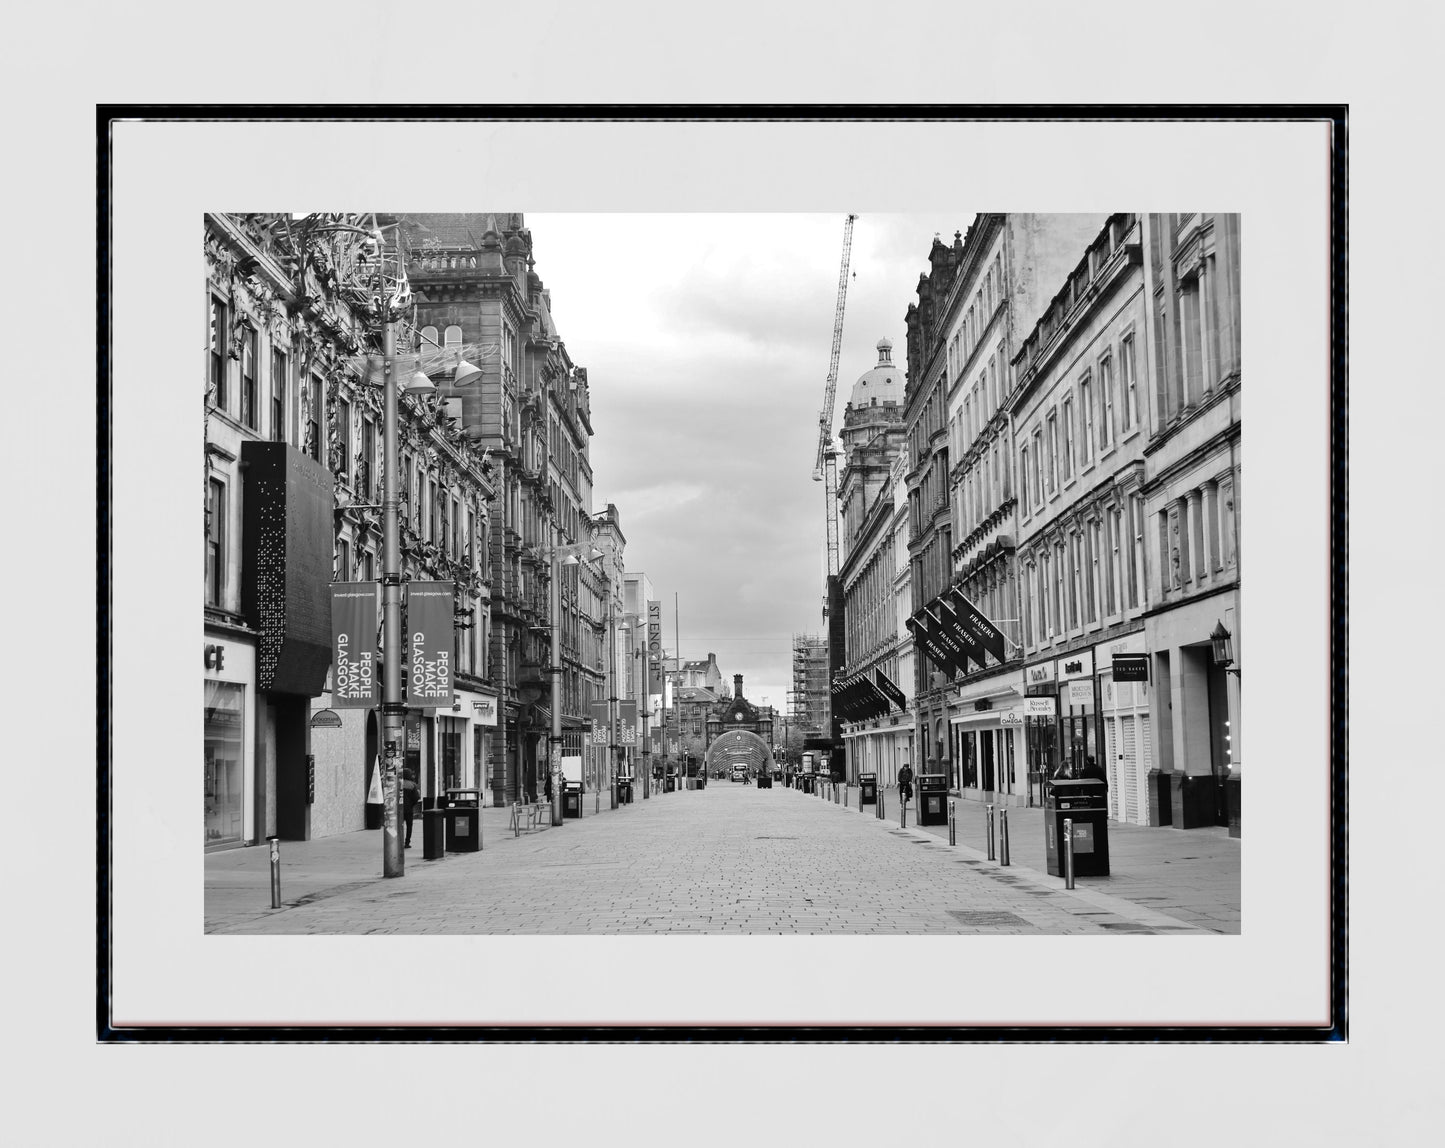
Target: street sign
(1011, 717)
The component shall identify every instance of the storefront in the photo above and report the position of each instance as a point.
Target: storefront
(229, 741)
(988, 755)
(1066, 742)
(880, 747)
(1124, 706)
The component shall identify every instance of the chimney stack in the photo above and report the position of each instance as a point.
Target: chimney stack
(737, 685)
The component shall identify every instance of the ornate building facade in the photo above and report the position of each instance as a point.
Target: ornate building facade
(1081, 409)
(293, 446)
(877, 727)
(477, 291)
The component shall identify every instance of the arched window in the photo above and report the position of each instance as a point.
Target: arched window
(453, 339)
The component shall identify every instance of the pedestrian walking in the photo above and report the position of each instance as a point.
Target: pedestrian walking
(410, 795)
(905, 782)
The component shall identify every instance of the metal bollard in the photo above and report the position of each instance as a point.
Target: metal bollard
(516, 819)
(597, 801)
(1003, 836)
(902, 811)
(952, 823)
(988, 827)
(275, 871)
(878, 809)
(1068, 852)
(837, 797)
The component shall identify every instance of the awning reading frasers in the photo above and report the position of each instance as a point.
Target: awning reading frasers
(889, 689)
(953, 623)
(980, 629)
(923, 628)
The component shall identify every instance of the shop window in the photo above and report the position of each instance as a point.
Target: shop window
(224, 748)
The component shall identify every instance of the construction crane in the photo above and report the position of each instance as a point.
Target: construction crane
(825, 469)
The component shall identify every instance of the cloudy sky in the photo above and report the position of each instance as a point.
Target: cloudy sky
(706, 340)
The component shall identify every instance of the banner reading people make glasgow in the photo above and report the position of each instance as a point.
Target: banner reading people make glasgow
(353, 645)
(429, 645)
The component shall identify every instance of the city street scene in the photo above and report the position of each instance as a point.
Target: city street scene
(722, 574)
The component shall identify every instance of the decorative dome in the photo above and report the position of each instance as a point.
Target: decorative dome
(882, 384)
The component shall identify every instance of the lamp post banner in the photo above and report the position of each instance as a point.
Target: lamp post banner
(429, 644)
(353, 645)
(627, 720)
(599, 723)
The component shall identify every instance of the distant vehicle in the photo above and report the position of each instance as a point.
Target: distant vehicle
(738, 773)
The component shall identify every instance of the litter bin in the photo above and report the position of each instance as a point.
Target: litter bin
(867, 789)
(571, 799)
(433, 831)
(765, 779)
(932, 799)
(1084, 800)
(464, 820)
(809, 780)
(670, 785)
(624, 790)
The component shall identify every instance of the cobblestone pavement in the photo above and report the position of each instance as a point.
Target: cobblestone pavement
(728, 859)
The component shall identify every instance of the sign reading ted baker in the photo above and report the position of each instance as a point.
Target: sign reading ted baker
(353, 645)
(429, 644)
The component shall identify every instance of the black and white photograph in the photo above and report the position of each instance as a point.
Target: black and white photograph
(978, 590)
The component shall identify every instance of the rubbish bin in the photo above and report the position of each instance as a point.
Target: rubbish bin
(809, 780)
(932, 799)
(1083, 799)
(464, 820)
(765, 779)
(433, 831)
(867, 789)
(670, 785)
(624, 790)
(571, 799)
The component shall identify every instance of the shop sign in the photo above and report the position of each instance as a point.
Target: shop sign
(353, 645)
(215, 657)
(654, 635)
(889, 688)
(1131, 667)
(1040, 707)
(1081, 693)
(1012, 717)
(978, 627)
(1040, 674)
(429, 644)
(1080, 665)
(484, 711)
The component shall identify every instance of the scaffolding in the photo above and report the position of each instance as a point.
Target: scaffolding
(808, 700)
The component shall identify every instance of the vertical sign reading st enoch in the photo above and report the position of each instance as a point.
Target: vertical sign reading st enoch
(353, 645)
(429, 644)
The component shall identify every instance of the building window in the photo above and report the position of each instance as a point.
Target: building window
(1131, 398)
(1038, 469)
(1189, 336)
(1091, 572)
(216, 543)
(1024, 473)
(1086, 412)
(1111, 565)
(367, 468)
(216, 379)
(313, 420)
(1106, 399)
(250, 384)
(1136, 549)
(343, 564)
(1068, 415)
(429, 340)
(1053, 452)
(343, 436)
(368, 566)
(278, 396)
(225, 742)
(453, 340)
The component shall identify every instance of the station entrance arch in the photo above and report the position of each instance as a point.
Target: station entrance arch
(739, 747)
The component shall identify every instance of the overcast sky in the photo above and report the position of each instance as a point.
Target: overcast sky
(706, 340)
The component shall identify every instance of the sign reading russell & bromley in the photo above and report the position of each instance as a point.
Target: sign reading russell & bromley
(353, 645)
(429, 644)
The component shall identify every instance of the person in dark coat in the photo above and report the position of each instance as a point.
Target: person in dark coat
(1094, 771)
(905, 782)
(410, 795)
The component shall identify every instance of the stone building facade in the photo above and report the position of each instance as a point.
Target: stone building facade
(1081, 410)
(477, 291)
(876, 738)
(294, 444)
(1191, 492)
